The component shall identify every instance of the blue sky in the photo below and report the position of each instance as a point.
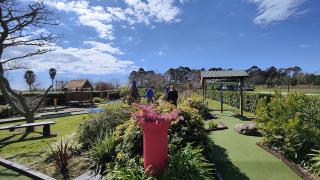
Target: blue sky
(106, 39)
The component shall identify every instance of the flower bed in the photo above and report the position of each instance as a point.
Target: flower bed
(117, 142)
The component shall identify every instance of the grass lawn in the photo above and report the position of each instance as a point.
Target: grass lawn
(215, 105)
(237, 157)
(30, 150)
(8, 174)
(314, 90)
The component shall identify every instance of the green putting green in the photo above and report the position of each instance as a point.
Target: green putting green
(237, 156)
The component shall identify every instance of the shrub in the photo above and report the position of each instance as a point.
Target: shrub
(232, 98)
(291, 124)
(61, 155)
(128, 137)
(97, 125)
(131, 171)
(114, 95)
(158, 95)
(198, 103)
(212, 124)
(124, 91)
(101, 153)
(315, 162)
(189, 130)
(188, 163)
(97, 100)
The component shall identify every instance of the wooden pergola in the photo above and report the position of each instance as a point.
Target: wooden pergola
(228, 75)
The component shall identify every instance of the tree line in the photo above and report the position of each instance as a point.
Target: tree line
(272, 76)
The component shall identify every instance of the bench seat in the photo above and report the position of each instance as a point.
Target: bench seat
(45, 124)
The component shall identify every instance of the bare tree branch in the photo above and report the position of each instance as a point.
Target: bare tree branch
(41, 101)
(38, 52)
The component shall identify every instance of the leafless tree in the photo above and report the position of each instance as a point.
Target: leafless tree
(19, 22)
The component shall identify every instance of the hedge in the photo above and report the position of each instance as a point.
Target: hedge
(232, 98)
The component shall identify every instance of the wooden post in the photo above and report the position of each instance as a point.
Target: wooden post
(46, 130)
(221, 98)
(203, 86)
(241, 96)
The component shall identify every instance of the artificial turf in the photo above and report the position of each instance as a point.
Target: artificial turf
(237, 157)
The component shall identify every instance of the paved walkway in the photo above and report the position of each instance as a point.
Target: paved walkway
(61, 113)
(237, 157)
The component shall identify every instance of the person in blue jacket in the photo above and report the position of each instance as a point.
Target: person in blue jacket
(150, 94)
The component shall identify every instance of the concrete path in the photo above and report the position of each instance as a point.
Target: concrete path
(46, 115)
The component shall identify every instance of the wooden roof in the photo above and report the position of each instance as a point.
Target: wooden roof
(78, 84)
(224, 74)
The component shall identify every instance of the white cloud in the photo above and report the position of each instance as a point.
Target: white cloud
(137, 11)
(276, 10)
(160, 53)
(95, 17)
(161, 10)
(103, 47)
(95, 60)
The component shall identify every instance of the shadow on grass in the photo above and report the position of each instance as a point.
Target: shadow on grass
(7, 174)
(224, 165)
(242, 118)
(23, 137)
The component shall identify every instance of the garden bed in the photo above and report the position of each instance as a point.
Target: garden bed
(220, 126)
(295, 167)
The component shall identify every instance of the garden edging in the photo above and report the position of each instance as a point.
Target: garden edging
(297, 169)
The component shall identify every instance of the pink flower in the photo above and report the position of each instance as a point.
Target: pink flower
(148, 113)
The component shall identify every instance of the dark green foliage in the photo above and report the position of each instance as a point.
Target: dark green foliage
(188, 163)
(315, 162)
(101, 153)
(291, 124)
(114, 95)
(232, 98)
(97, 125)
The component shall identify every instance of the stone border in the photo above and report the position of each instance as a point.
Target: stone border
(297, 169)
(24, 170)
(220, 126)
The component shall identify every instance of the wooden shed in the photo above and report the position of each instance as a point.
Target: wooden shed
(78, 92)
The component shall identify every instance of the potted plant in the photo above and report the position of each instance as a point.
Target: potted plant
(155, 127)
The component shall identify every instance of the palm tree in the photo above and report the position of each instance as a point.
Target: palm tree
(30, 78)
(52, 73)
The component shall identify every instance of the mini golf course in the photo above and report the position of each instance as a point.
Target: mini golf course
(237, 156)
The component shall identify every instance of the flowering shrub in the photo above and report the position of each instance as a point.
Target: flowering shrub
(149, 114)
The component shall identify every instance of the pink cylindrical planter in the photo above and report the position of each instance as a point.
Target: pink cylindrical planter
(155, 147)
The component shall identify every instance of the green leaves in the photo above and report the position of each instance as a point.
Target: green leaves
(291, 124)
(101, 153)
(188, 163)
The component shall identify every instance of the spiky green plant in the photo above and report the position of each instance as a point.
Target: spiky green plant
(102, 153)
(61, 155)
(315, 162)
(188, 163)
